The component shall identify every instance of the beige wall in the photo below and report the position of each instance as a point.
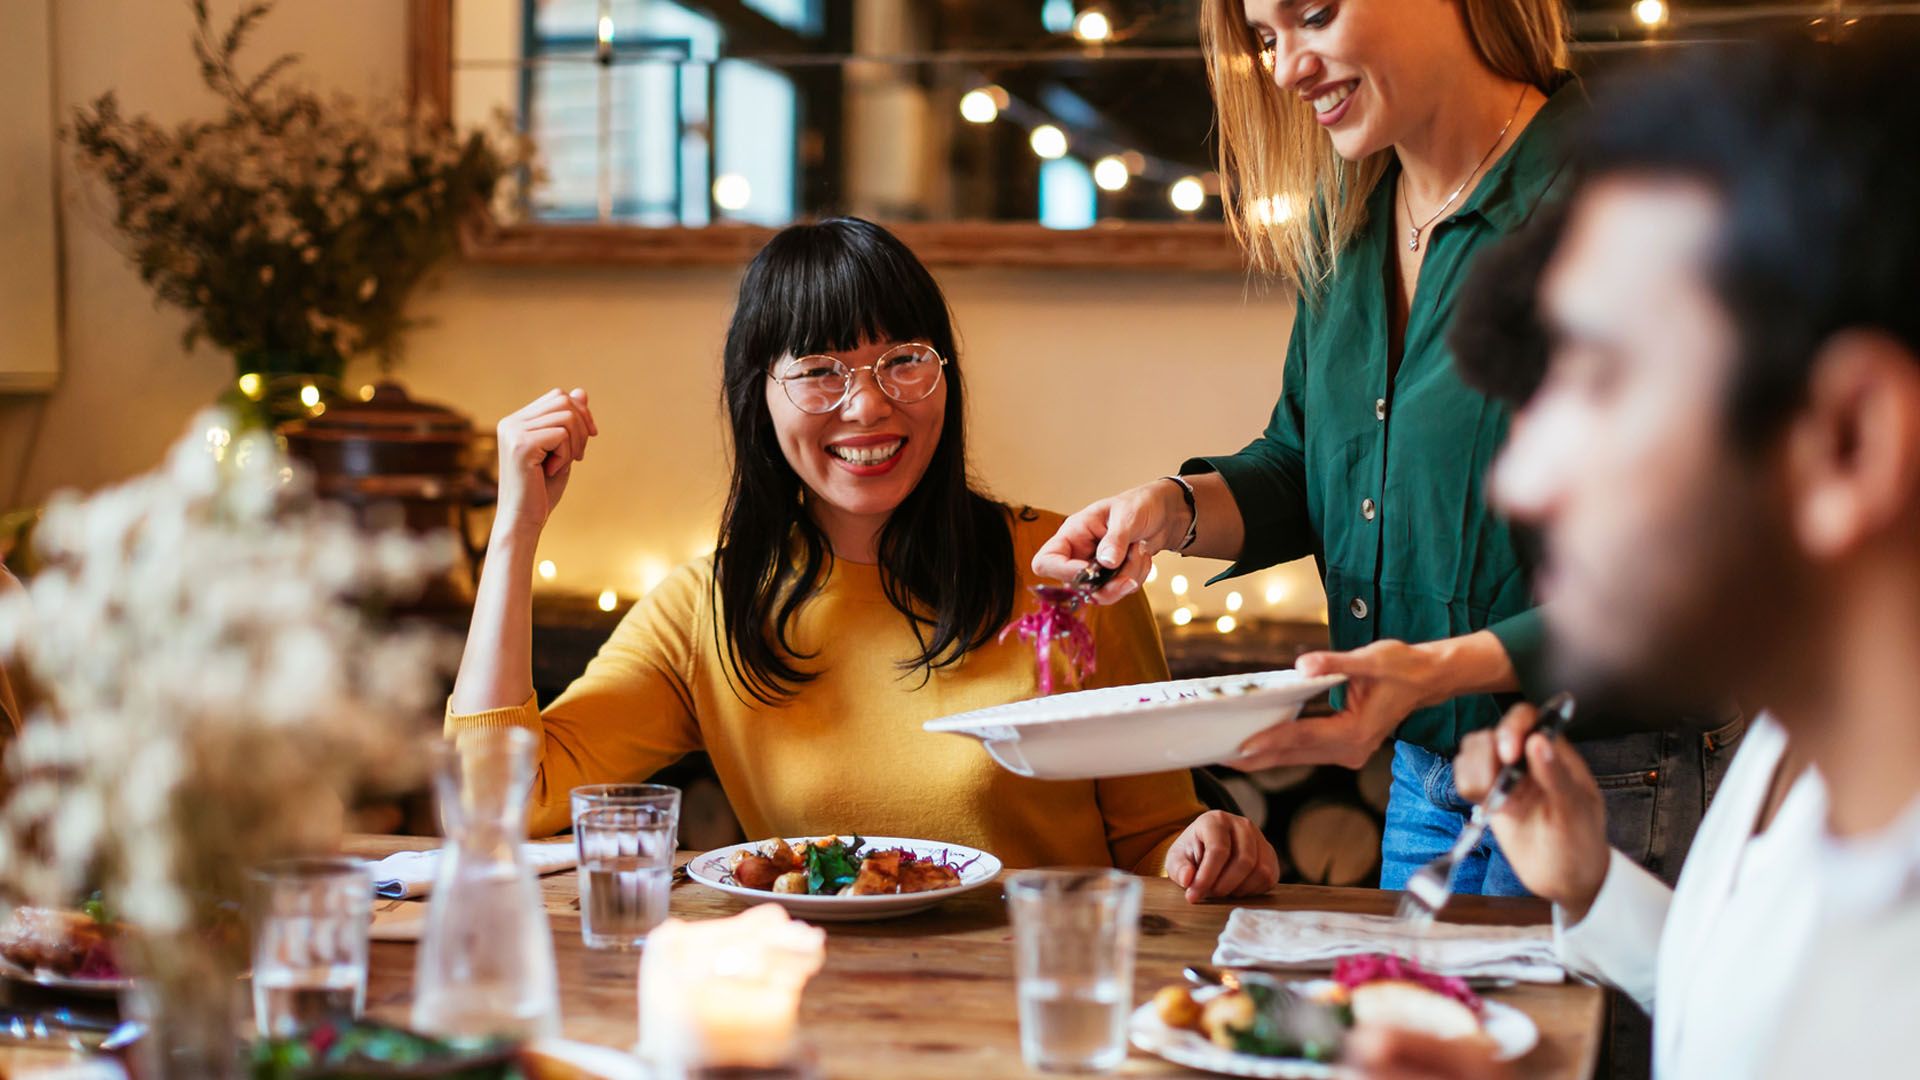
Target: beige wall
(1081, 383)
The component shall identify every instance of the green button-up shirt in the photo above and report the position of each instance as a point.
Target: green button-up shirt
(1383, 482)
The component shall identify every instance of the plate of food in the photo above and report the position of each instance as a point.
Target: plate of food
(1264, 1027)
(831, 879)
(62, 949)
(1128, 730)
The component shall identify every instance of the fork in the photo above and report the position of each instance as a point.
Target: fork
(1429, 889)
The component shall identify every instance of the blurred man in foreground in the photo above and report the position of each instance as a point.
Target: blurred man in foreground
(1724, 462)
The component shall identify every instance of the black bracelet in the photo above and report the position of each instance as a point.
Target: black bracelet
(1193, 511)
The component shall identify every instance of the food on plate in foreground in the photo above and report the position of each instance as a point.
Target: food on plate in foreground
(73, 944)
(1261, 1016)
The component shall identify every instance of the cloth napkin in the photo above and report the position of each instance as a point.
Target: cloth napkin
(408, 874)
(1296, 940)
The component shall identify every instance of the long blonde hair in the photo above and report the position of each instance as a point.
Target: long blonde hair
(1291, 201)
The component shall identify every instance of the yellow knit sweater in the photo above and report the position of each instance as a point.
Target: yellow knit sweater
(847, 755)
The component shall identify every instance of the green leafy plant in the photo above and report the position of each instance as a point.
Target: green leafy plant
(290, 226)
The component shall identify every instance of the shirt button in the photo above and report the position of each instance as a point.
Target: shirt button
(1367, 509)
(1358, 608)
(1379, 408)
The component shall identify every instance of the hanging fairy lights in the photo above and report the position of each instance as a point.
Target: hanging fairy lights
(1092, 26)
(1651, 14)
(1048, 142)
(979, 107)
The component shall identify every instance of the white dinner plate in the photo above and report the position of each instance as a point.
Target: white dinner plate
(72, 984)
(1512, 1031)
(1128, 730)
(977, 869)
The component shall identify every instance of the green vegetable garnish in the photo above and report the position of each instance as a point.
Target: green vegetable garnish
(95, 907)
(833, 867)
(1269, 1035)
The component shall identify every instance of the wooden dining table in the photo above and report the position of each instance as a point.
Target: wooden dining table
(932, 994)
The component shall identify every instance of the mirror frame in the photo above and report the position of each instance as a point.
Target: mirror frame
(1190, 246)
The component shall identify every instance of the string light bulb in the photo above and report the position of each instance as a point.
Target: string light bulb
(978, 107)
(1182, 616)
(366, 392)
(309, 395)
(1048, 141)
(1178, 584)
(731, 191)
(547, 570)
(251, 385)
(1092, 27)
(609, 600)
(1276, 592)
(1235, 601)
(1651, 14)
(1111, 173)
(1187, 194)
(1225, 624)
(1153, 573)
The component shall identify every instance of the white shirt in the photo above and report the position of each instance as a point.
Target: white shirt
(1856, 1011)
(1724, 948)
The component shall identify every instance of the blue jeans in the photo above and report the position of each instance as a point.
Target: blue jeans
(1424, 817)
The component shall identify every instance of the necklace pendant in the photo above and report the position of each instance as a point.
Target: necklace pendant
(1413, 239)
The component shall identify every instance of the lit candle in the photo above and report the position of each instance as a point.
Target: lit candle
(725, 993)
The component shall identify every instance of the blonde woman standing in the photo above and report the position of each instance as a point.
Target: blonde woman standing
(1405, 136)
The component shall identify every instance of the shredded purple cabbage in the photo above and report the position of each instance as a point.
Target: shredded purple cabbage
(1352, 971)
(1056, 619)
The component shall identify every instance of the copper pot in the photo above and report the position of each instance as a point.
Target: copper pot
(398, 461)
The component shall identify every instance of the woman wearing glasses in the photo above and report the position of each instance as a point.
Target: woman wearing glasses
(858, 589)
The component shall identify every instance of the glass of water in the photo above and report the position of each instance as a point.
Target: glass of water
(1074, 933)
(658, 796)
(310, 943)
(626, 871)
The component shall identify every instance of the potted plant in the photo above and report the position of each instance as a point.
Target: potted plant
(291, 228)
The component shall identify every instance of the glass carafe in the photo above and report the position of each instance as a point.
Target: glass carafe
(485, 965)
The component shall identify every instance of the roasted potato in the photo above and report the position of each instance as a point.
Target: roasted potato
(1232, 1009)
(756, 872)
(792, 882)
(1176, 1008)
(784, 857)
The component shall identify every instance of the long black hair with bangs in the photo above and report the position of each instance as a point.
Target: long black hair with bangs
(946, 553)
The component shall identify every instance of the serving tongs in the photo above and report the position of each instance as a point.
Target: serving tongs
(1078, 592)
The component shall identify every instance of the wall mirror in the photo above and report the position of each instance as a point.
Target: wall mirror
(1004, 132)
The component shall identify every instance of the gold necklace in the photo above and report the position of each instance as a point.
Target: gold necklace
(1414, 231)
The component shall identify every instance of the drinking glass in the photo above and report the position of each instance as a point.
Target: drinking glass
(1074, 937)
(310, 943)
(626, 873)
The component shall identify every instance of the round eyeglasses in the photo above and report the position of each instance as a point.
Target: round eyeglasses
(821, 384)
